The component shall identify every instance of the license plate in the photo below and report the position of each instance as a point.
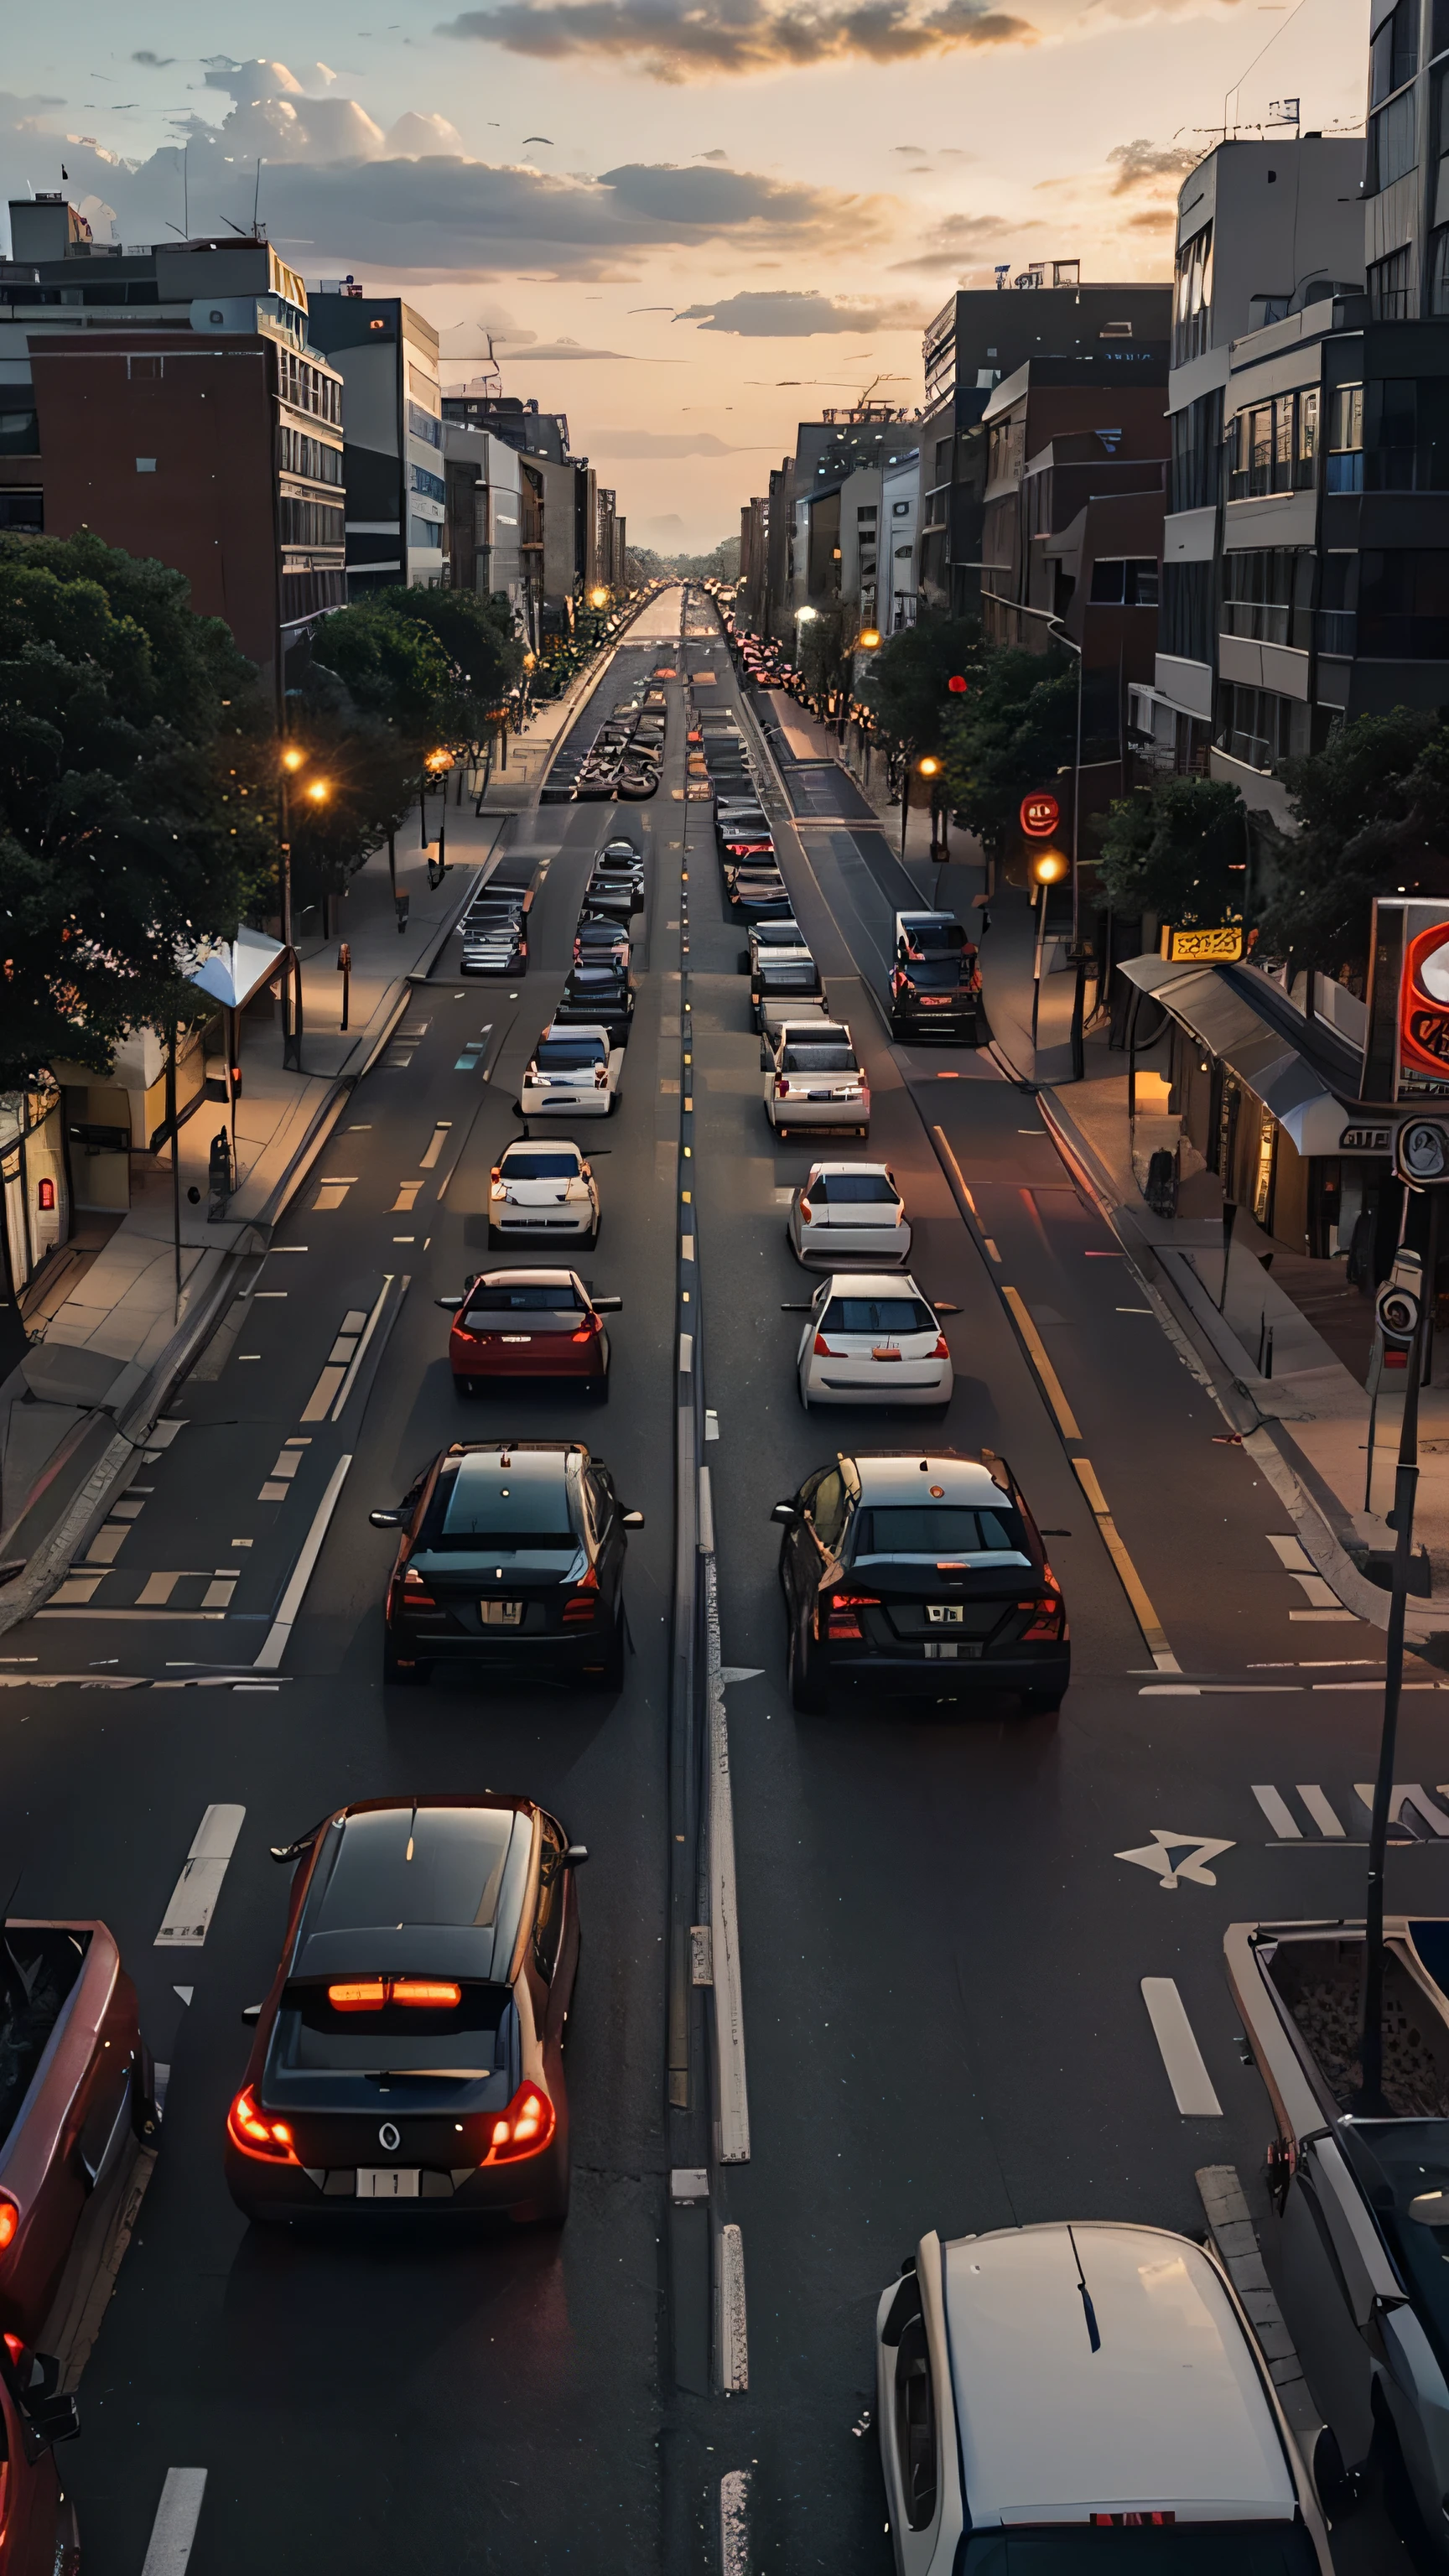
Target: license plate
(891, 1355)
(518, 1337)
(945, 1614)
(501, 1614)
(950, 1654)
(388, 2182)
(936, 1001)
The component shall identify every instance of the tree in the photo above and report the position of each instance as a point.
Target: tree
(1369, 811)
(1178, 850)
(642, 565)
(475, 633)
(1016, 730)
(393, 668)
(905, 685)
(133, 811)
(823, 649)
(370, 774)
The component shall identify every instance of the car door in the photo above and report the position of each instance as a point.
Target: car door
(549, 1950)
(602, 1505)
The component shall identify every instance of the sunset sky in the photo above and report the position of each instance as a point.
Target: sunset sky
(685, 226)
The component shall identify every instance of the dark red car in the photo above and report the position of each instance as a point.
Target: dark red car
(408, 2059)
(38, 2535)
(513, 1324)
(76, 2086)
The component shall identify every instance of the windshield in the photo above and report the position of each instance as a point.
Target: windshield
(941, 1530)
(568, 1055)
(1403, 2166)
(528, 1164)
(799, 977)
(852, 1189)
(877, 1315)
(820, 1059)
(597, 979)
(778, 934)
(561, 1296)
(938, 974)
(315, 2037)
(1144, 2549)
(41, 1966)
(523, 1508)
(932, 938)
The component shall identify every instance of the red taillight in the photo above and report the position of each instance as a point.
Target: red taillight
(433, 1994)
(1048, 1619)
(9, 2221)
(360, 1994)
(270, 2141)
(586, 1334)
(524, 2129)
(823, 1350)
(844, 1610)
(781, 1086)
(15, 2346)
(416, 1596)
(942, 1350)
(585, 1599)
(807, 1216)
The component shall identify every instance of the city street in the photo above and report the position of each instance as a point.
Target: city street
(945, 1913)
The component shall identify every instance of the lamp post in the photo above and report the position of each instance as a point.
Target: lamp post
(1078, 953)
(929, 767)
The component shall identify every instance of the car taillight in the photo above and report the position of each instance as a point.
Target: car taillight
(807, 1216)
(15, 2346)
(942, 1350)
(270, 2141)
(781, 1086)
(823, 1350)
(495, 1176)
(433, 1994)
(9, 2221)
(360, 1994)
(601, 1076)
(844, 1609)
(586, 1334)
(524, 2129)
(1048, 1619)
(585, 1599)
(370, 1994)
(416, 1595)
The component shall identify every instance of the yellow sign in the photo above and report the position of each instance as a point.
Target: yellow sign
(1221, 947)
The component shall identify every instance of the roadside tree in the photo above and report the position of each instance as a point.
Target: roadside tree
(1016, 730)
(1178, 850)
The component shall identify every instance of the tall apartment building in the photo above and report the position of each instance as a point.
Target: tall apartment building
(171, 399)
(387, 356)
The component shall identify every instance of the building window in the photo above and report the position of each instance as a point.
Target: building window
(1345, 439)
(1406, 435)
(1268, 595)
(23, 510)
(310, 523)
(299, 454)
(1187, 625)
(20, 431)
(1192, 297)
(432, 485)
(1124, 581)
(1254, 725)
(1391, 286)
(1337, 602)
(1197, 438)
(1394, 53)
(1393, 144)
(1274, 446)
(421, 424)
(425, 533)
(1403, 604)
(311, 593)
(1007, 453)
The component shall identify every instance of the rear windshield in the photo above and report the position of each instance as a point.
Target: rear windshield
(798, 977)
(522, 1507)
(565, 1055)
(559, 1297)
(937, 974)
(317, 2037)
(878, 1315)
(852, 1189)
(596, 979)
(820, 1059)
(933, 938)
(528, 1163)
(937, 1530)
(778, 934)
(38, 1968)
(1144, 2549)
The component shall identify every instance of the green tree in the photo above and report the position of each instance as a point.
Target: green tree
(369, 772)
(1178, 850)
(1369, 809)
(475, 633)
(1016, 730)
(393, 668)
(905, 686)
(131, 815)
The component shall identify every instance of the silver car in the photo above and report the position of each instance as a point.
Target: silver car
(850, 1208)
(546, 1190)
(816, 1079)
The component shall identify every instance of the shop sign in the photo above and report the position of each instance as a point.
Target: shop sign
(1040, 815)
(1424, 1005)
(1406, 1054)
(1366, 1140)
(1421, 1152)
(1222, 946)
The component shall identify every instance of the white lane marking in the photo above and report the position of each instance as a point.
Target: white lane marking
(193, 1899)
(1316, 1591)
(1192, 2087)
(330, 1195)
(279, 1633)
(163, 1433)
(1291, 1553)
(734, 2345)
(1320, 1614)
(174, 2529)
(731, 2090)
(407, 1198)
(185, 1992)
(360, 1354)
(1407, 1793)
(740, 1673)
(1320, 1810)
(1158, 1855)
(706, 1514)
(319, 1402)
(734, 2523)
(1278, 1812)
(439, 1138)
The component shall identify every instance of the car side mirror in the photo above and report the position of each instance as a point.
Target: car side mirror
(785, 1512)
(608, 1305)
(385, 1520)
(251, 2013)
(633, 1520)
(575, 1856)
(450, 1305)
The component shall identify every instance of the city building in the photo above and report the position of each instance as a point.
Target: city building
(387, 356)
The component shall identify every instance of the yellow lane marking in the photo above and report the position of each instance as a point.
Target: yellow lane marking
(1154, 1634)
(1055, 1394)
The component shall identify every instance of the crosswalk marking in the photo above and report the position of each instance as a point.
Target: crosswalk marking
(1290, 1553)
(1406, 1793)
(1412, 1811)
(1320, 1810)
(1278, 1812)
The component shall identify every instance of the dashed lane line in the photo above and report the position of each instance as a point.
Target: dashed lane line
(193, 1899)
(173, 2532)
(1192, 2086)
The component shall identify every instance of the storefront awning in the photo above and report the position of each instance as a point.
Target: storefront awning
(1264, 1059)
(237, 968)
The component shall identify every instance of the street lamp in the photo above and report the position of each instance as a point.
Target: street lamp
(869, 639)
(293, 758)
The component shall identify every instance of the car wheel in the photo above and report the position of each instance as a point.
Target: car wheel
(744, 966)
(1041, 1703)
(404, 1675)
(809, 1691)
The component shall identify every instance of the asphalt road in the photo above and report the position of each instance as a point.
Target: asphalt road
(944, 1915)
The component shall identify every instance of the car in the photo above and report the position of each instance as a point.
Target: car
(816, 1079)
(849, 1208)
(773, 939)
(542, 1189)
(622, 850)
(615, 894)
(758, 891)
(897, 1562)
(935, 980)
(77, 2089)
(749, 850)
(1358, 2231)
(512, 1558)
(1054, 2397)
(597, 940)
(513, 1324)
(597, 995)
(407, 2063)
(573, 1071)
(38, 2531)
(495, 952)
(872, 1338)
(779, 985)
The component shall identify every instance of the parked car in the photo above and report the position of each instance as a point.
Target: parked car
(870, 1337)
(495, 949)
(773, 940)
(542, 1190)
(895, 1563)
(418, 1931)
(799, 1009)
(849, 1208)
(618, 893)
(1360, 2189)
(38, 2532)
(816, 1079)
(76, 2087)
(598, 941)
(597, 996)
(573, 1071)
(779, 985)
(512, 1557)
(758, 892)
(1055, 2397)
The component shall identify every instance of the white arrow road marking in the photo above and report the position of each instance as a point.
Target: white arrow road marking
(740, 1672)
(185, 1992)
(1158, 1856)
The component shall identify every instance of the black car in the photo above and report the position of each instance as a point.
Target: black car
(511, 1557)
(922, 1576)
(598, 997)
(616, 891)
(935, 980)
(407, 2064)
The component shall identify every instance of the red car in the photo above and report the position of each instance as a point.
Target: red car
(38, 2535)
(512, 1324)
(76, 2085)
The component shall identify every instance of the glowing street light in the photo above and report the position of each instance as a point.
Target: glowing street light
(319, 790)
(1048, 867)
(929, 767)
(869, 639)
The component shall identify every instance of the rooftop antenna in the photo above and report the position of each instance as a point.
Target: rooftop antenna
(257, 193)
(1001, 273)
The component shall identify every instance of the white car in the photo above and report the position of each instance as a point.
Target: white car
(816, 1079)
(773, 1010)
(850, 1207)
(573, 1072)
(536, 1190)
(776, 941)
(1046, 2395)
(871, 1338)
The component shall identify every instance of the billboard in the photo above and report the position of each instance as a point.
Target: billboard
(1406, 1052)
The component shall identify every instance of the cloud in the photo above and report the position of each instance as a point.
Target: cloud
(782, 313)
(674, 40)
(1141, 164)
(960, 242)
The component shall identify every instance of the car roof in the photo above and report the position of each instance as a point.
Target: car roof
(815, 1032)
(573, 1030)
(1165, 2409)
(829, 1169)
(434, 1885)
(894, 1475)
(541, 1145)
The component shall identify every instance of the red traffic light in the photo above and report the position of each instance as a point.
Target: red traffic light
(957, 685)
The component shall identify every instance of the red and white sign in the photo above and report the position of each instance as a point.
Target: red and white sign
(1040, 815)
(1424, 1004)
